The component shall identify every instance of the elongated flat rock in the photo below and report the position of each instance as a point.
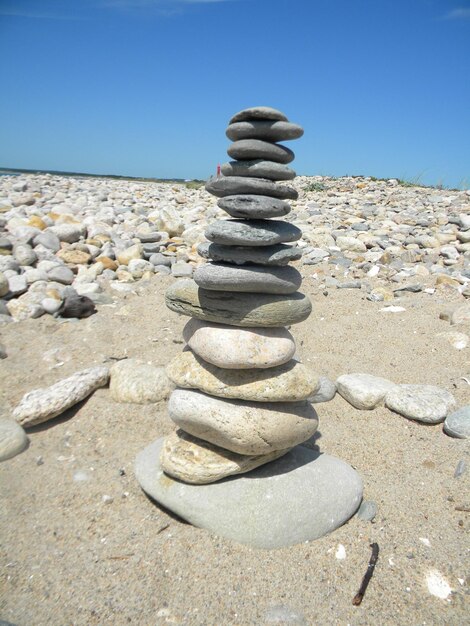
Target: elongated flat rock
(240, 426)
(264, 129)
(252, 232)
(231, 347)
(237, 309)
(249, 206)
(43, 404)
(290, 382)
(258, 113)
(258, 149)
(258, 168)
(278, 254)
(199, 462)
(221, 186)
(250, 278)
(300, 497)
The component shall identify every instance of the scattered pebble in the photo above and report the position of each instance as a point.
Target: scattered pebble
(437, 585)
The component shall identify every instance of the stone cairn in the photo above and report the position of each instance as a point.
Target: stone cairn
(241, 397)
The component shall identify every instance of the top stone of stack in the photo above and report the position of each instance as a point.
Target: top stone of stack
(262, 123)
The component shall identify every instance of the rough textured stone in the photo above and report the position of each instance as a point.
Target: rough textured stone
(252, 233)
(13, 439)
(278, 254)
(3, 285)
(241, 426)
(423, 403)
(457, 424)
(289, 382)
(137, 382)
(24, 254)
(231, 347)
(74, 257)
(237, 309)
(250, 149)
(325, 392)
(133, 252)
(43, 404)
(258, 113)
(300, 497)
(264, 129)
(248, 278)
(363, 391)
(248, 206)
(199, 462)
(258, 168)
(221, 186)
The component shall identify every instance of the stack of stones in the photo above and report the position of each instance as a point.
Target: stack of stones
(241, 397)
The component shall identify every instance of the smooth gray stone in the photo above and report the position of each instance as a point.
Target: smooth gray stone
(367, 511)
(258, 168)
(423, 403)
(300, 497)
(258, 113)
(251, 278)
(258, 149)
(326, 392)
(266, 255)
(237, 309)
(221, 186)
(457, 424)
(247, 206)
(48, 239)
(252, 233)
(264, 129)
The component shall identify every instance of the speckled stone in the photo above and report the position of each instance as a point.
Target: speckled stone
(457, 424)
(258, 168)
(423, 403)
(258, 149)
(300, 497)
(237, 309)
(199, 462)
(221, 186)
(363, 391)
(248, 278)
(278, 254)
(252, 233)
(231, 347)
(264, 129)
(258, 113)
(248, 206)
(289, 382)
(241, 426)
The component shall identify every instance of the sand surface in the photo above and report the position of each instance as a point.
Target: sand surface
(71, 556)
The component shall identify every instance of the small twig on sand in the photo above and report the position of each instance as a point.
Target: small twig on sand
(368, 575)
(160, 530)
(120, 557)
(465, 509)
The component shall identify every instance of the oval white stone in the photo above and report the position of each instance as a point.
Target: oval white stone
(231, 347)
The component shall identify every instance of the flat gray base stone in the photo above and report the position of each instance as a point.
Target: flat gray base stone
(300, 497)
(237, 308)
(423, 403)
(278, 254)
(252, 207)
(457, 424)
(259, 149)
(252, 232)
(221, 186)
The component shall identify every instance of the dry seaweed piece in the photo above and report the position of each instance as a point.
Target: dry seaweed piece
(368, 575)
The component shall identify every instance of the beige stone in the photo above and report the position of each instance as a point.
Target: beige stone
(243, 427)
(199, 462)
(231, 347)
(138, 382)
(133, 252)
(289, 382)
(74, 257)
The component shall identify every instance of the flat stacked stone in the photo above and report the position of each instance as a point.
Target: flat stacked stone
(241, 400)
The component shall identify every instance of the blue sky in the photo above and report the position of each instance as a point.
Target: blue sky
(146, 87)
